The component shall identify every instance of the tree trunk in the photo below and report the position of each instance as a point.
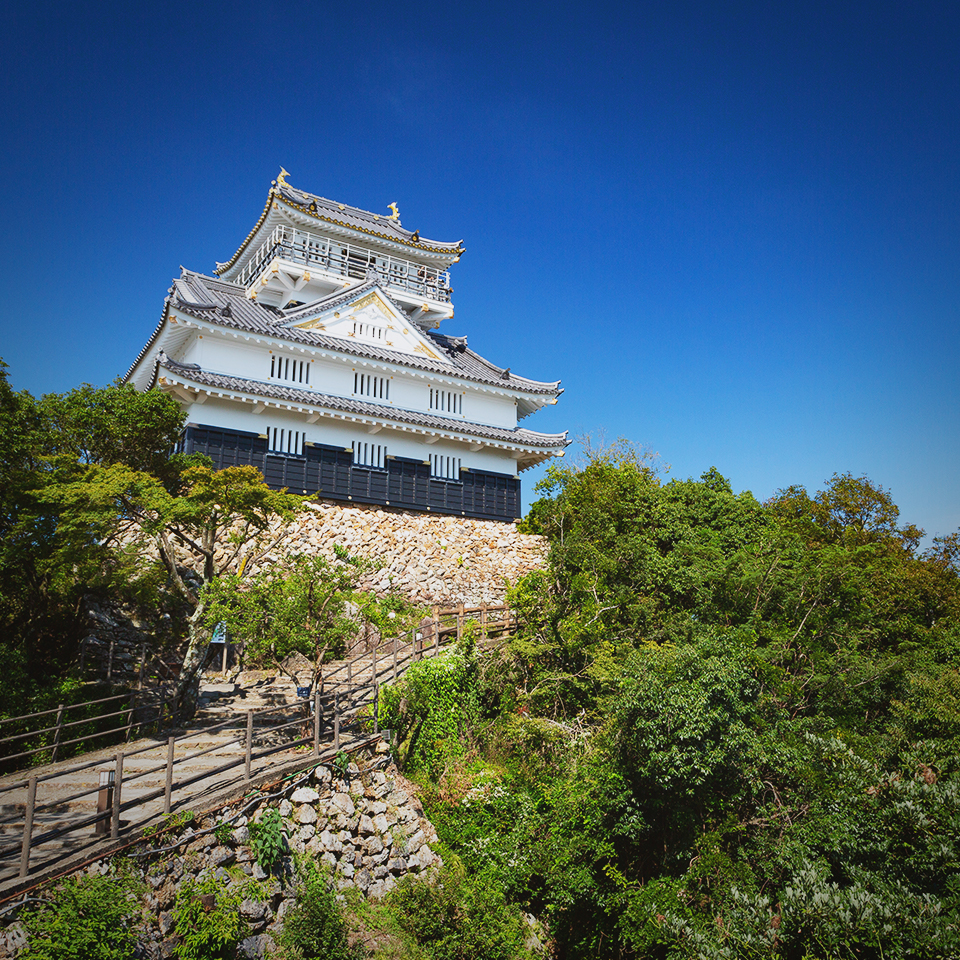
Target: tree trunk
(188, 686)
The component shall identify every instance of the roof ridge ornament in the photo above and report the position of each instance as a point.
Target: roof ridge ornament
(282, 178)
(396, 213)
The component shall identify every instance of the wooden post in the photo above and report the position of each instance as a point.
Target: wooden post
(249, 751)
(56, 735)
(376, 707)
(110, 661)
(28, 827)
(336, 722)
(316, 722)
(104, 803)
(168, 785)
(143, 659)
(459, 622)
(117, 783)
(374, 664)
(349, 669)
(483, 620)
(426, 631)
(163, 704)
(131, 710)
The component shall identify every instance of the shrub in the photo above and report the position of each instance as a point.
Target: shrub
(460, 918)
(431, 707)
(266, 839)
(208, 920)
(89, 918)
(315, 928)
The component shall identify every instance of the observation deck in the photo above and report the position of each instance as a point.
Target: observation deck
(331, 261)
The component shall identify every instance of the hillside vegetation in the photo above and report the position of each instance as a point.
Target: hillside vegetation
(725, 729)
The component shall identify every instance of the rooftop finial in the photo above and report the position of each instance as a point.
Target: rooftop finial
(282, 179)
(396, 213)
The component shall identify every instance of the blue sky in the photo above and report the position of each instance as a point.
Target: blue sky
(731, 229)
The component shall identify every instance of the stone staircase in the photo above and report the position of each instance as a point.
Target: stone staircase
(66, 792)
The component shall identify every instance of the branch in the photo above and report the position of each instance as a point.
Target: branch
(187, 541)
(170, 562)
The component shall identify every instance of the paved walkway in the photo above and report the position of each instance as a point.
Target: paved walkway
(67, 792)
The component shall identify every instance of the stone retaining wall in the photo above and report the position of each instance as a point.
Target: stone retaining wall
(367, 827)
(429, 558)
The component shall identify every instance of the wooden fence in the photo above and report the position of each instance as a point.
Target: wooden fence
(332, 713)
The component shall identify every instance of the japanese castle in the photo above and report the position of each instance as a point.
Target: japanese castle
(314, 354)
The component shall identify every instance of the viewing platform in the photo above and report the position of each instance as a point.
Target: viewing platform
(340, 259)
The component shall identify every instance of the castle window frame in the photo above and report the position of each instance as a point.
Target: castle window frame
(289, 369)
(444, 467)
(374, 387)
(286, 441)
(372, 455)
(446, 401)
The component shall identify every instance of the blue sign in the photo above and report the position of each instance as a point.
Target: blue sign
(303, 693)
(219, 633)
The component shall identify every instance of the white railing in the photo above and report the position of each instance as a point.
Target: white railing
(343, 259)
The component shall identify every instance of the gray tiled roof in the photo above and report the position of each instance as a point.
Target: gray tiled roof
(341, 215)
(357, 218)
(312, 398)
(226, 304)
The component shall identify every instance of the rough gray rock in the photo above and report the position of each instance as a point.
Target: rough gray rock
(253, 910)
(255, 948)
(304, 795)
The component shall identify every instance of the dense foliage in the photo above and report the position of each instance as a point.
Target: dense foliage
(725, 729)
(311, 606)
(87, 918)
(430, 711)
(315, 928)
(54, 554)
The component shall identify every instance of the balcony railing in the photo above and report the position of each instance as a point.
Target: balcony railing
(343, 259)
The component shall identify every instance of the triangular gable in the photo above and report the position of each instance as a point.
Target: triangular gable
(371, 318)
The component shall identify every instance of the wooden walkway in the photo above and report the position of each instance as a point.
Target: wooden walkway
(64, 814)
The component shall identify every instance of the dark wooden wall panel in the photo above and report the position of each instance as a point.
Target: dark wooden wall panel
(329, 472)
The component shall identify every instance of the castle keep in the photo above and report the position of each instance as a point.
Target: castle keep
(314, 354)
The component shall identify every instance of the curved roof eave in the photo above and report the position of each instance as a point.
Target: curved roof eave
(194, 377)
(309, 205)
(247, 316)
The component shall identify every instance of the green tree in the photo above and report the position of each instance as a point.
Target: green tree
(199, 532)
(49, 560)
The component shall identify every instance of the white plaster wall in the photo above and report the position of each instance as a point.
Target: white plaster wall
(337, 378)
(233, 416)
(487, 408)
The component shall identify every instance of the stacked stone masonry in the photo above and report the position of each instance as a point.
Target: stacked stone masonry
(429, 558)
(367, 827)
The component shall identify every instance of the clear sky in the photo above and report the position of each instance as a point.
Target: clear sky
(730, 228)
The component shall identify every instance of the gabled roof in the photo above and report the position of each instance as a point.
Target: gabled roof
(192, 374)
(226, 305)
(340, 215)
